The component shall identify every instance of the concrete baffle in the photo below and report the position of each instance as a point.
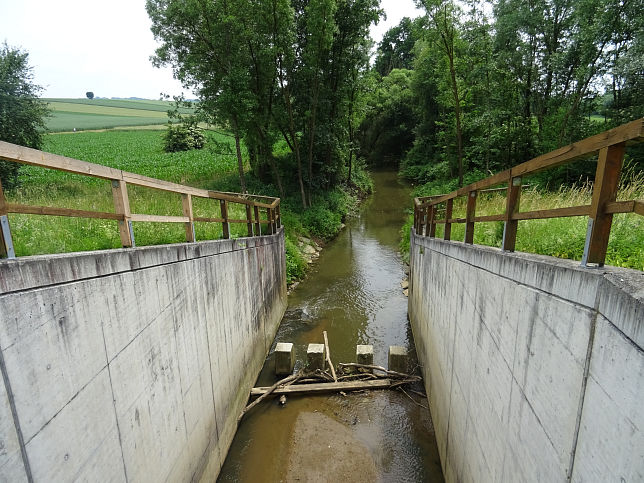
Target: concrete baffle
(284, 358)
(364, 355)
(315, 357)
(397, 358)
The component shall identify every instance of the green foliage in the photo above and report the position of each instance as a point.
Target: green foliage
(295, 262)
(183, 137)
(89, 95)
(22, 113)
(387, 132)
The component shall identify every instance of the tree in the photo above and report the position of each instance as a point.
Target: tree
(89, 95)
(22, 114)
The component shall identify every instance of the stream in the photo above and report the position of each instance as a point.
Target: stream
(353, 292)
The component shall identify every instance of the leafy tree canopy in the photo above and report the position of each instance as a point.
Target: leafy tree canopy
(22, 113)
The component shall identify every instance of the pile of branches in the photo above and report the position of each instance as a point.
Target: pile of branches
(347, 372)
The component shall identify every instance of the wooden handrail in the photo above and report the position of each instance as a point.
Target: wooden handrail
(609, 146)
(122, 213)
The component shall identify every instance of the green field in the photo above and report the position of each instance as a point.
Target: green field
(86, 114)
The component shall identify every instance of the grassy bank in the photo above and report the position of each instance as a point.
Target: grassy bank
(140, 152)
(559, 237)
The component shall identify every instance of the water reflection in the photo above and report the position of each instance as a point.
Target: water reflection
(354, 294)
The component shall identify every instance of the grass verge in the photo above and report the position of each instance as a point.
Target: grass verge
(559, 237)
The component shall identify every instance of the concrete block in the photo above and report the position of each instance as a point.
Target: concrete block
(364, 355)
(397, 358)
(284, 358)
(315, 357)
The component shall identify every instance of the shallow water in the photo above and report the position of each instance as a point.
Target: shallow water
(353, 293)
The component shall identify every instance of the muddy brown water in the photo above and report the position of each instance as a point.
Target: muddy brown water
(354, 293)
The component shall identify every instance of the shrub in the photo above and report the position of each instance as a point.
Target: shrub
(183, 137)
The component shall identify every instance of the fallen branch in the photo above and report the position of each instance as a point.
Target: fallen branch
(412, 399)
(291, 378)
(379, 368)
(328, 357)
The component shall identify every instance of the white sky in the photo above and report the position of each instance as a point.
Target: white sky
(77, 46)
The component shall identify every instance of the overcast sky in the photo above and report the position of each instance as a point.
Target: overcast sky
(77, 46)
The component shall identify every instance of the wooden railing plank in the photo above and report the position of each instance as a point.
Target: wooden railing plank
(159, 218)
(55, 211)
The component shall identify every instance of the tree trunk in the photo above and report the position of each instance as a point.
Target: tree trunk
(240, 161)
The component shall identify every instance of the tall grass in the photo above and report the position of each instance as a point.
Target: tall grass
(559, 237)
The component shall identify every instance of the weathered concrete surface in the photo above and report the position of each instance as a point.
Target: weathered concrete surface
(133, 365)
(534, 366)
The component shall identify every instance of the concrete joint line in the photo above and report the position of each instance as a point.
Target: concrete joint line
(16, 421)
(584, 383)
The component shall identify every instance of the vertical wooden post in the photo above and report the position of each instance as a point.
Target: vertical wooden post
(122, 207)
(432, 221)
(223, 204)
(279, 216)
(187, 211)
(609, 165)
(424, 230)
(258, 225)
(249, 220)
(510, 227)
(449, 205)
(6, 242)
(469, 217)
(269, 219)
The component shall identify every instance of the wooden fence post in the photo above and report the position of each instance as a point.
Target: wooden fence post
(511, 207)
(432, 221)
(122, 207)
(609, 165)
(187, 211)
(279, 217)
(6, 242)
(258, 225)
(249, 220)
(448, 216)
(269, 217)
(469, 217)
(223, 204)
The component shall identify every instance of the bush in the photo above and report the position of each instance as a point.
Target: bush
(322, 222)
(183, 137)
(295, 263)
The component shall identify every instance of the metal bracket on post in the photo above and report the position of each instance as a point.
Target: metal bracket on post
(584, 258)
(131, 230)
(7, 241)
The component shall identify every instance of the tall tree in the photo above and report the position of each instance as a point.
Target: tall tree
(22, 113)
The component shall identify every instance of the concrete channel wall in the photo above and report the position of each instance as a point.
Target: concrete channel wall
(133, 364)
(534, 365)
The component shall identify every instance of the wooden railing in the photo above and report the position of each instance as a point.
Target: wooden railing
(120, 180)
(432, 210)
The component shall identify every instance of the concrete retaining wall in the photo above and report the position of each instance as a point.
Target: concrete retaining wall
(534, 366)
(133, 364)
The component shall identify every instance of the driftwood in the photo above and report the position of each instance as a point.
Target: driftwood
(328, 357)
(290, 379)
(379, 368)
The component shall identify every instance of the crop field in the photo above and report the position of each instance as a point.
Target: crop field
(86, 114)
